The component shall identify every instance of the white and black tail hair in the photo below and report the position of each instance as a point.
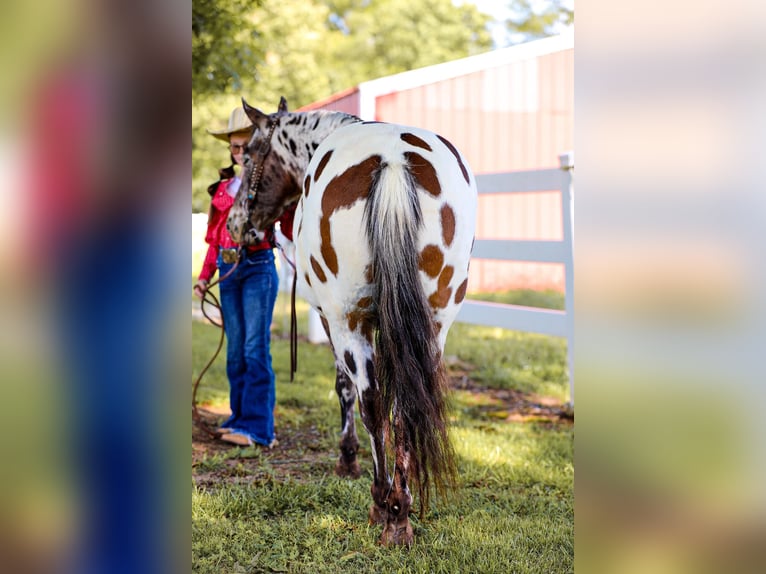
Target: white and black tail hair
(408, 367)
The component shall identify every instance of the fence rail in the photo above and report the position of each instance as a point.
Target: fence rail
(516, 317)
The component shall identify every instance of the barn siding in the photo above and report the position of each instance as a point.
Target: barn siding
(346, 101)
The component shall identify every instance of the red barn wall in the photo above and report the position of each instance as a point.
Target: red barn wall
(346, 101)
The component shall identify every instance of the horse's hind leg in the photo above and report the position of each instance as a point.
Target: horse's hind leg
(376, 425)
(397, 528)
(347, 464)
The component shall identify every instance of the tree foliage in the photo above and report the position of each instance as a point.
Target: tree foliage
(224, 47)
(390, 36)
(307, 50)
(536, 19)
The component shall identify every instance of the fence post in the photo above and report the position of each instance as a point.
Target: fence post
(317, 333)
(285, 273)
(566, 163)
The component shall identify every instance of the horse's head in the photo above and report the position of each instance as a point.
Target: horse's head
(269, 178)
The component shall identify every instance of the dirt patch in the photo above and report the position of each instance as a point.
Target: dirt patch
(507, 404)
(515, 406)
(297, 454)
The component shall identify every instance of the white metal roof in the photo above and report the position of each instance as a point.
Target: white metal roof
(370, 90)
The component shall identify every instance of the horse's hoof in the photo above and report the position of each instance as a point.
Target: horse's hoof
(348, 470)
(399, 534)
(376, 515)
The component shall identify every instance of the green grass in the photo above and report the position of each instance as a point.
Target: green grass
(547, 299)
(503, 359)
(513, 510)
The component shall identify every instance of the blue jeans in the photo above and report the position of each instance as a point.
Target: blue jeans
(247, 303)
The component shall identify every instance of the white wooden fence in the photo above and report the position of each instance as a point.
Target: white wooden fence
(516, 317)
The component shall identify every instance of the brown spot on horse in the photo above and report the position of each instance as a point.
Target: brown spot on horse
(460, 293)
(440, 298)
(431, 260)
(412, 139)
(447, 216)
(342, 192)
(318, 271)
(322, 165)
(457, 157)
(423, 173)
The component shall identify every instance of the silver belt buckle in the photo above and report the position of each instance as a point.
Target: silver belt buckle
(229, 256)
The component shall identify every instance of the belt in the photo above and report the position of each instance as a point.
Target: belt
(230, 255)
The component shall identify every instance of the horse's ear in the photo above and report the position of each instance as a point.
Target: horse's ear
(256, 116)
(282, 105)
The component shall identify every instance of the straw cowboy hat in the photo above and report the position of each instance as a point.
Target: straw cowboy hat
(238, 122)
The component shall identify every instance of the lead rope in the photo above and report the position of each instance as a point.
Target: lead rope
(293, 332)
(293, 317)
(212, 300)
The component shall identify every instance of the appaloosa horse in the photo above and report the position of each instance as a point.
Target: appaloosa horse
(383, 233)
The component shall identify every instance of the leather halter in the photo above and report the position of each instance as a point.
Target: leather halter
(261, 152)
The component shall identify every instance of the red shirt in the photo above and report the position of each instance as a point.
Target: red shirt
(63, 192)
(217, 235)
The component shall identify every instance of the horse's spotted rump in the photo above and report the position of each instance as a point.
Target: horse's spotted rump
(457, 157)
(423, 173)
(306, 277)
(460, 293)
(306, 185)
(318, 271)
(342, 192)
(431, 260)
(322, 164)
(447, 216)
(412, 139)
(369, 277)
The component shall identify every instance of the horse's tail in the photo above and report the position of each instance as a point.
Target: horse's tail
(408, 367)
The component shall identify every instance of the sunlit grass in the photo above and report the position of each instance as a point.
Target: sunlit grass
(546, 299)
(512, 512)
(506, 359)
